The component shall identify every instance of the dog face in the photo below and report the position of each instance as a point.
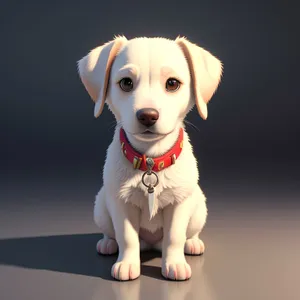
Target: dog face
(150, 84)
(150, 87)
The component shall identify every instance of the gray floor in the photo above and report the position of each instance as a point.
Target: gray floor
(47, 245)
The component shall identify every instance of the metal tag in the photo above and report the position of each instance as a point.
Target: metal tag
(150, 187)
(151, 201)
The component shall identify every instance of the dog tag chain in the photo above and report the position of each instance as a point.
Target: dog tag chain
(150, 187)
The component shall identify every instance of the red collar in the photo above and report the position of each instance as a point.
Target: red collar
(138, 160)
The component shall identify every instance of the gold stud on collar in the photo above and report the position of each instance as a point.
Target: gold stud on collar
(123, 149)
(161, 165)
(136, 162)
(173, 157)
(181, 144)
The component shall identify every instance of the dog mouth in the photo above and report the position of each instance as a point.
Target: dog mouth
(148, 132)
(148, 135)
(151, 134)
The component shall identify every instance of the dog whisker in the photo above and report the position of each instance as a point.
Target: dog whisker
(112, 125)
(191, 125)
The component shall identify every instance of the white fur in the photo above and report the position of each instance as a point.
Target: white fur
(121, 206)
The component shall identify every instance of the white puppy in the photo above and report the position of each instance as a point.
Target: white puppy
(150, 84)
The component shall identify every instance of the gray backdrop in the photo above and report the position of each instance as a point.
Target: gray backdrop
(47, 122)
(52, 149)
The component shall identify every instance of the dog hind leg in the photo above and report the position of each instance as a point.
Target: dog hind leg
(194, 245)
(107, 245)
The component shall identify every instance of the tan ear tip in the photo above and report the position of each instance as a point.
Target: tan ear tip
(203, 116)
(98, 109)
(97, 114)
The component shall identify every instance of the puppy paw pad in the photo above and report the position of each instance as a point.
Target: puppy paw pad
(125, 271)
(177, 271)
(107, 246)
(194, 247)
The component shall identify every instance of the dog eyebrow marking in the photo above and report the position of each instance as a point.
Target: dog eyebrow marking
(129, 70)
(167, 72)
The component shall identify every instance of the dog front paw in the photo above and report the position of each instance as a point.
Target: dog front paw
(125, 271)
(107, 246)
(194, 247)
(176, 271)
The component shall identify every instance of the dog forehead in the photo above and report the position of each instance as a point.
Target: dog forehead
(149, 53)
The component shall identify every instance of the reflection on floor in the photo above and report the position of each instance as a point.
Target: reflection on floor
(48, 239)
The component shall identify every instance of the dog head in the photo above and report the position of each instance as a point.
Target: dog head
(150, 84)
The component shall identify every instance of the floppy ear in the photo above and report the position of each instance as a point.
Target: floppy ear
(206, 71)
(94, 71)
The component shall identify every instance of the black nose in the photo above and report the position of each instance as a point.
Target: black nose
(147, 116)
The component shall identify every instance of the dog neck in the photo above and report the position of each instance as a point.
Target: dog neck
(155, 148)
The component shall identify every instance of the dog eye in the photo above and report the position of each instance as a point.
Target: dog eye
(172, 85)
(126, 84)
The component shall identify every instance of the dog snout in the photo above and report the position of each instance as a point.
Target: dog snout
(147, 116)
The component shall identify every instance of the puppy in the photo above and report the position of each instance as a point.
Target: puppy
(150, 197)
